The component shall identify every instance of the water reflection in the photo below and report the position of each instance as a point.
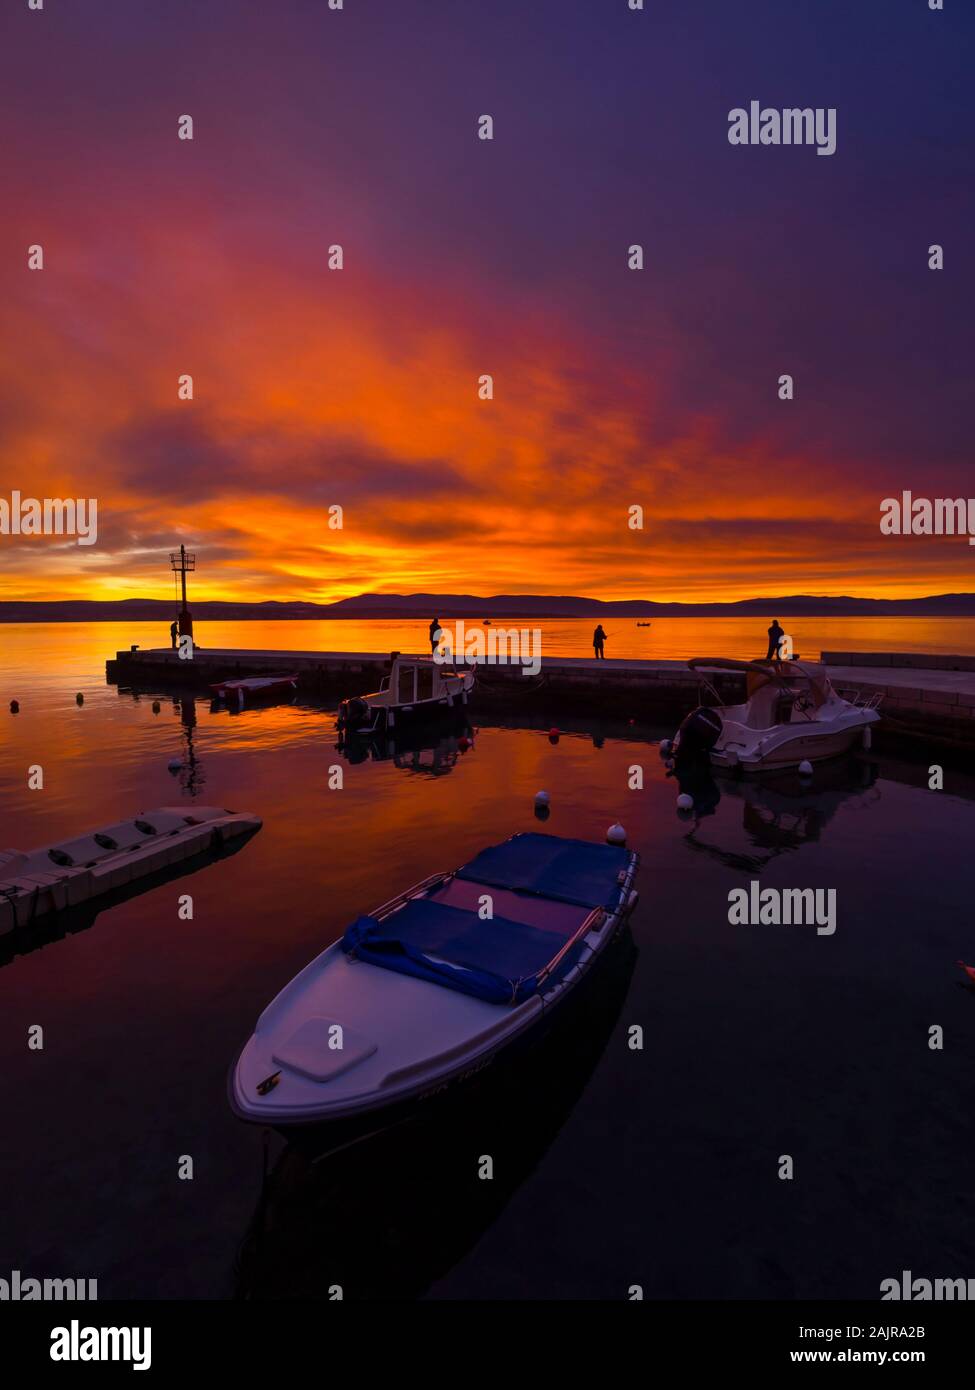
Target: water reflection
(423, 752)
(779, 814)
(55, 926)
(387, 1217)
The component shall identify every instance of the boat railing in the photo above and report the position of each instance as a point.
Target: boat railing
(417, 889)
(598, 914)
(859, 699)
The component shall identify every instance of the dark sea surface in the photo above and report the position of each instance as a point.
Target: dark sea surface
(614, 1166)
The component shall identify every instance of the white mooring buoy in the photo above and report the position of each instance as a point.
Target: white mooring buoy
(685, 802)
(805, 768)
(541, 798)
(616, 835)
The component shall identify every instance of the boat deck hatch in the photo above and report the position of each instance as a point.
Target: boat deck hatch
(322, 1048)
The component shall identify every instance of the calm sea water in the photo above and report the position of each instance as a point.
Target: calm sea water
(614, 1166)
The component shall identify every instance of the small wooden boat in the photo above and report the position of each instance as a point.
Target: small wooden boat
(417, 691)
(425, 992)
(254, 688)
(644, 624)
(63, 875)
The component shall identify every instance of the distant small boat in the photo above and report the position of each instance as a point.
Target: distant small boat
(486, 622)
(41, 881)
(254, 687)
(644, 625)
(424, 993)
(418, 690)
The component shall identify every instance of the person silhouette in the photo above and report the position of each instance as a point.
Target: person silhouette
(775, 635)
(174, 633)
(598, 638)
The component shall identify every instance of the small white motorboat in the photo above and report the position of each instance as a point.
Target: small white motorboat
(71, 872)
(791, 714)
(417, 691)
(426, 991)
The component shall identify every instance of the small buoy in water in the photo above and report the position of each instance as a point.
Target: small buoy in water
(666, 745)
(14, 706)
(541, 798)
(155, 706)
(685, 802)
(175, 764)
(805, 768)
(541, 811)
(616, 835)
(79, 698)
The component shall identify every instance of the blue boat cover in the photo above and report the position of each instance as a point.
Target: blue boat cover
(570, 871)
(496, 960)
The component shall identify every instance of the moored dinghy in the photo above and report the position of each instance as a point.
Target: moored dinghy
(41, 881)
(424, 992)
(254, 688)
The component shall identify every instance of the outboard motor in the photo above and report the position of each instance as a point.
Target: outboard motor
(697, 735)
(352, 713)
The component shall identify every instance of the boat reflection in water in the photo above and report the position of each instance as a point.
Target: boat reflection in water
(431, 753)
(69, 921)
(779, 813)
(386, 1217)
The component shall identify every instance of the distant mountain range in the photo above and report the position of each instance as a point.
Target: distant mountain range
(471, 606)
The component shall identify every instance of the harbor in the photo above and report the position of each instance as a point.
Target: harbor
(921, 695)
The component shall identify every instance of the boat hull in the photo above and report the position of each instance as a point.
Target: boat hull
(422, 1041)
(318, 1137)
(790, 751)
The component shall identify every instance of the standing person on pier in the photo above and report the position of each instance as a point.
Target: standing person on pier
(174, 632)
(598, 638)
(775, 635)
(434, 634)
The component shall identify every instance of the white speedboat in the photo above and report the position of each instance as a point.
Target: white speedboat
(38, 882)
(417, 691)
(426, 992)
(791, 714)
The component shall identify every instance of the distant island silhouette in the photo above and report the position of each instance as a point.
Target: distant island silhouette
(386, 606)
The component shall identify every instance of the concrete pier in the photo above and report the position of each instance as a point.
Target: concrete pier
(922, 696)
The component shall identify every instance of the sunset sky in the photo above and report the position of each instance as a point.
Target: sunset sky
(359, 387)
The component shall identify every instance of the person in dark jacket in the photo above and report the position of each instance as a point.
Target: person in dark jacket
(174, 633)
(598, 638)
(775, 635)
(434, 634)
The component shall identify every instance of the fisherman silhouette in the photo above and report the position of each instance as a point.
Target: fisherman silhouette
(173, 632)
(434, 634)
(598, 638)
(775, 635)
